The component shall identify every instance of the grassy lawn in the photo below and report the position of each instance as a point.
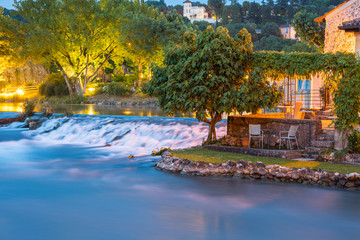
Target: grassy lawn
(199, 154)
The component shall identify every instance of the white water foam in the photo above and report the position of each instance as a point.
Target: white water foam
(128, 135)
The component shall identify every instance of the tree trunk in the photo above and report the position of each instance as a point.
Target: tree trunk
(215, 118)
(138, 84)
(78, 86)
(66, 79)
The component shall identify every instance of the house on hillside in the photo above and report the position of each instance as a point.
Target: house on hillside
(288, 31)
(342, 28)
(196, 13)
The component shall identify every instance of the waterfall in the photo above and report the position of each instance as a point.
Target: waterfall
(128, 135)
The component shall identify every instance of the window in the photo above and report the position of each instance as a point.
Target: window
(287, 30)
(286, 35)
(304, 85)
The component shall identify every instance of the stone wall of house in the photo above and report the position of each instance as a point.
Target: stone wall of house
(337, 40)
(307, 131)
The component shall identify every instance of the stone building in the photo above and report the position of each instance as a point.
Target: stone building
(196, 13)
(342, 28)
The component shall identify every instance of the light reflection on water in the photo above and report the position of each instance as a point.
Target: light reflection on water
(92, 109)
(10, 107)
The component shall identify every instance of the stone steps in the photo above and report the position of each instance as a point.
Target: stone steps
(322, 144)
(294, 154)
(325, 137)
(328, 132)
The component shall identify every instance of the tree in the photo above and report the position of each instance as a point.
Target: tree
(145, 34)
(209, 75)
(273, 43)
(308, 30)
(139, 36)
(76, 35)
(202, 25)
(216, 6)
(235, 28)
(271, 29)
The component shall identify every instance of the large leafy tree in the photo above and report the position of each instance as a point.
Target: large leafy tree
(308, 30)
(209, 75)
(76, 35)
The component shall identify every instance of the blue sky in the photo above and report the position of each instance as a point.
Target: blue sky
(8, 3)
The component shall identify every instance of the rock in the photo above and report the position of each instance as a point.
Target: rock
(231, 163)
(342, 181)
(262, 171)
(350, 184)
(260, 165)
(295, 175)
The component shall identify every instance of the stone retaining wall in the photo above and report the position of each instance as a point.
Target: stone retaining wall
(307, 132)
(242, 169)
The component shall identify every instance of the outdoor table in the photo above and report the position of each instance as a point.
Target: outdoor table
(268, 133)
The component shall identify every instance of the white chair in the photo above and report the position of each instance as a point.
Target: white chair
(290, 136)
(256, 133)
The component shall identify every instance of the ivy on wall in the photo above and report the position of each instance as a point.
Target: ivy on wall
(341, 70)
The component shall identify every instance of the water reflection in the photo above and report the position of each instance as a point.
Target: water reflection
(10, 107)
(92, 109)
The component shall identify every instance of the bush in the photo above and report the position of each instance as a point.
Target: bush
(54, 85)
(354, 142)
(116, 88)
(127, 80)
(28, 108)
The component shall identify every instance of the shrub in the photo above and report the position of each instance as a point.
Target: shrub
(54, 85)
(28, 108)
(354, 142)
(159, 152)
(127, 80)
(116, 88)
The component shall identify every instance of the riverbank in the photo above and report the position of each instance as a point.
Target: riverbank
(210, 163)
(104, 99)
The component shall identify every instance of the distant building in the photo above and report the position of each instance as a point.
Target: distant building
(196, 13)
(342, 28)
(288, 31)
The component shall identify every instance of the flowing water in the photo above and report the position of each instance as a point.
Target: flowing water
(71, 179)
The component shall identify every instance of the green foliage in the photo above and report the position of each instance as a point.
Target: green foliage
(202, 25)
(116, 88)
(346, 99)
(354, 142)
(216, 6)
(235, 28)
(54, 85)
(273, 43)
(308, 30)
(271, 29)
(28, 108)
(209, 75)
(126, 80)
(159, 152)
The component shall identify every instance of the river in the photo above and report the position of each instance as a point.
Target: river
(71, 179)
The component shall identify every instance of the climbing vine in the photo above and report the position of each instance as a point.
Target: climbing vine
(340, 70)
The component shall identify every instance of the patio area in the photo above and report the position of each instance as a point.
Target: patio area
(312, 136)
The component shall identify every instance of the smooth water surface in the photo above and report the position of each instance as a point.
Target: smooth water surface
(93, 109)
(71, 179)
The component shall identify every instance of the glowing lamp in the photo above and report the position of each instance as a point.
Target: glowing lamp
(19, 92)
